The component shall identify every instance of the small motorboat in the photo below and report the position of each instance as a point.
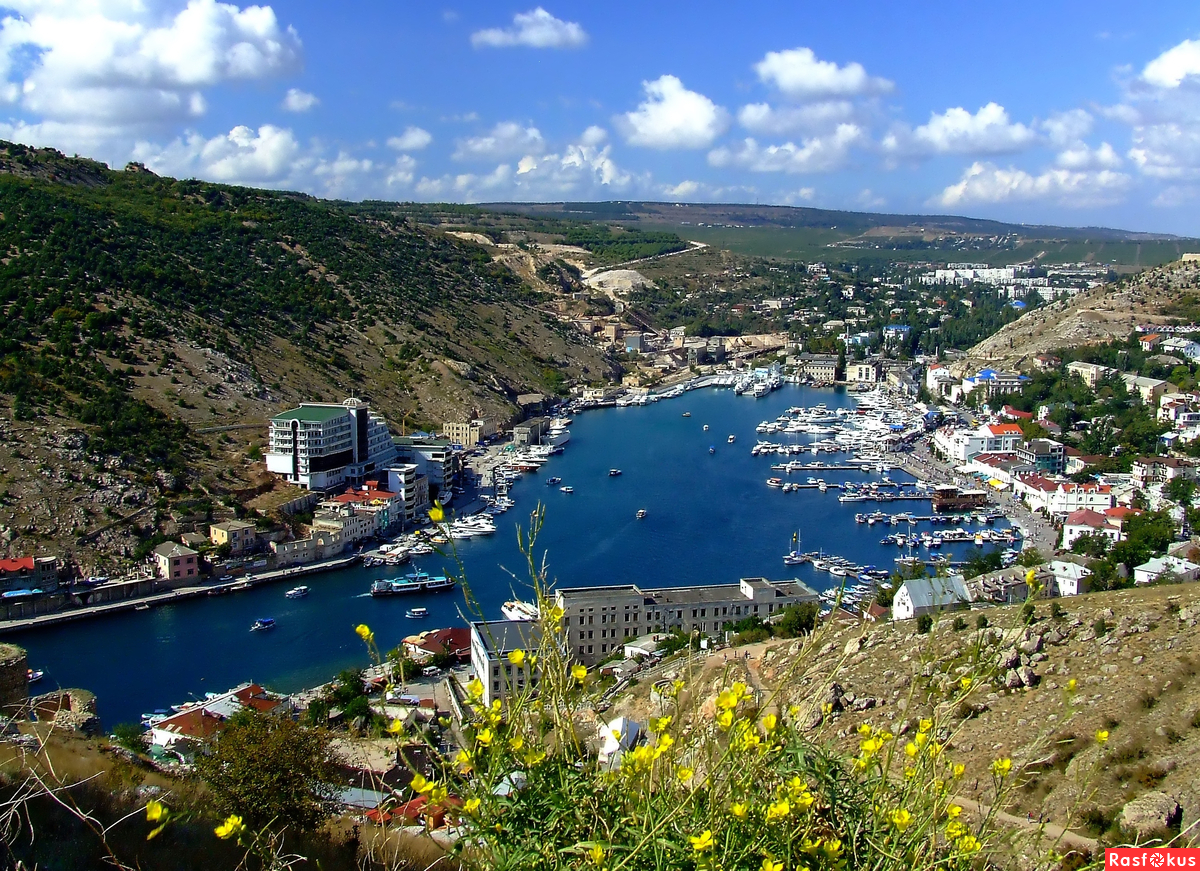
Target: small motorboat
(712, 449)
(567, 489)
(35, 674)
(613, 473)
(262, 624)
(732, 438)
(641, 513)
(141, 606)
(297, 592)
(706, 427)
(416, 613)
(687, 414)
(552, 480)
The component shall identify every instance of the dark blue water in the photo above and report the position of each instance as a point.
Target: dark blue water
(711, 519)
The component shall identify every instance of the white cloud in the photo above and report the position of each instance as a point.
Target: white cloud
(401, 173)
(1066, 128)
(816, 154)
(536, 29)
(671, 117)
(119, 63)
(957, 131)
(868, 199)
(506, 139)
(412, 139)
(297, 100)
(343, 175)
(798, 73)
(809, 118)
(802, 195)
(1175, 65)
(594, 135)
(1080, 156)
(267, 157)
(1175, 196)
(683, 190)
(988, 183)
(1167, 151)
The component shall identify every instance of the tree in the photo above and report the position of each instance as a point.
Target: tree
(271, 771)
(1180, 490)
(924, 624)
(798, 619)
(1031, 557)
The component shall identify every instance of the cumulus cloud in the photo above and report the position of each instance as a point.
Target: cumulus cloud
(815, 154)
(799, 73)
(297, 100)
(1167, 150)
(1080, 156)
(683, 190)
(988, 183)
(506, 139)
(412, 139)
(672, 117)
(467, 186)
(401, 173)
(117, 63)
(1175, 66)
(536, 29)
(267, 156)
(812, 117)
(957, 131)
(1066, 128)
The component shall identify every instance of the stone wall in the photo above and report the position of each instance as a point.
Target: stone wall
(14, 678)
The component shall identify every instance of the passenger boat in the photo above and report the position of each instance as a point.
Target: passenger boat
(262, 624)
(297, 592)
(553, 480)
(641, 513)
(567, 489)
(514, 609)
(613, 473)
(439, 582)
(732, 438)
(416, 613)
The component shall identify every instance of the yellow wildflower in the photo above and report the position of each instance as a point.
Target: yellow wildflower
(793, 711)
(475, 688)
(725, 719)
(471, 805)
(438, 794)
(232, 827)
(579, 672)
(395, 727)
(702, 842)
(901, 819)
(516, 657)
(778, 810)
(965, 683)
(955, 830)
(515, 743)
(436, 513)
(864, 730)
(1101, 736)
(738, 809)
(727, 700)
(684, 774)
(1001, 767)
(768, 865)
(796, 787)
(769, 722)
(886, 735)
(871, 746)
(1071, 684)
(596, 854)
(969, 844)
(925, 725)
(910, 772)
(155, 811)
(484, 736)
(660, 724)
(910, 749)
(364, 631)
(554, 614)
(420, 784)
(958, 770)
(832, 848)
(533, 757)
(463, 758)
(953, 811)
(662, 745)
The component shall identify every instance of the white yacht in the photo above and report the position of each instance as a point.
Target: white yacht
(515, 609)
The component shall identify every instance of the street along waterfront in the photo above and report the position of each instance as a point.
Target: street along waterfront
(710, 518)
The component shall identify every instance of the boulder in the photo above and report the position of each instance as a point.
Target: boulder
(1010, 658)
(1012, 680)
(1153, 815)
(1031, 645)
(1028, 676)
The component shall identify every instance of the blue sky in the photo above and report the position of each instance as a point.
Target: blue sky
(1068, 113)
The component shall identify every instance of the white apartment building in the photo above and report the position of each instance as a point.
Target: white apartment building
(491, 643)
(323, 445)
(1091, 373)
(599, 620)
(963, 445)
(434, 458)
(404, 480)
(1059, 498)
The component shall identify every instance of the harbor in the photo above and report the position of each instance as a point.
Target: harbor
(682, 476)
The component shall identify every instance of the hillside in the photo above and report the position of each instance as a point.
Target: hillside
(143, 313)
(1133, 657)
(799, 233)
(1166, 294)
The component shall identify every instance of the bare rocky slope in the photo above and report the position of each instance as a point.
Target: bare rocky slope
(1166, 294)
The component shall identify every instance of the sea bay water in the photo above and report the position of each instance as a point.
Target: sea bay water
(710, 519)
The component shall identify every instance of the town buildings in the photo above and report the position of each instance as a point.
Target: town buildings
(322, 445)
(239, 535)
(187, 730)
(491, 643)
(599, 620)
(29, 573)
(176, 562)
(470, 433)
(930, 595)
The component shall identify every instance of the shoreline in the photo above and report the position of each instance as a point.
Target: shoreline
(177, 595)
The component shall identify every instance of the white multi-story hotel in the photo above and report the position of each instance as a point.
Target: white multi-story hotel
(322, 445)
(599, 620)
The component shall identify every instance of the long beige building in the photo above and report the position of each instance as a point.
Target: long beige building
(601, 619)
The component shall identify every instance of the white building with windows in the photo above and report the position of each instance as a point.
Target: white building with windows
(323, 445)
(491, 643)
(599, 620)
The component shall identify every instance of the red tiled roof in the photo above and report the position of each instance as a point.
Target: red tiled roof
(1086, 517)
(1009, 411)
(16, 565)
(1004, 429)
(1120, 512)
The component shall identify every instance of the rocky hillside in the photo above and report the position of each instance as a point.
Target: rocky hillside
(1124, 662)
(153, 324)
(1164, 294)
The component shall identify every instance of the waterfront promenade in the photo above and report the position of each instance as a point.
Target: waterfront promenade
(178, 594)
